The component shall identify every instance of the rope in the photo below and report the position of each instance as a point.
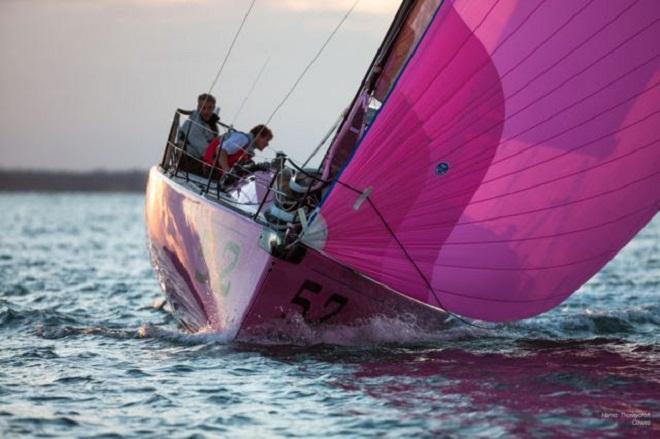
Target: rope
(222, 66)
(231, 46)
(399, 243)
(254, 84)
(325, 139)
(309, 65)
(412, 261)
(296, 83)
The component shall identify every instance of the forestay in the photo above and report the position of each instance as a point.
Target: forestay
(516, 154)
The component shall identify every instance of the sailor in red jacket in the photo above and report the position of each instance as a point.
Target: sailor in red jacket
(239, 146)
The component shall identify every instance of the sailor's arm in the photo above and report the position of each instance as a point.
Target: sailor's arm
(223, 160)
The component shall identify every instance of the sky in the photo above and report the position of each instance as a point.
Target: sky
(93, 84)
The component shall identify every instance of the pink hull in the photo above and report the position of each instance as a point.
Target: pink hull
(217, 278)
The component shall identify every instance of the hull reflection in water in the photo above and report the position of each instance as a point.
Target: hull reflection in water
(534, 387)
(218, 278)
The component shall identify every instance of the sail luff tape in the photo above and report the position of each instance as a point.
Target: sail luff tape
(363, 196)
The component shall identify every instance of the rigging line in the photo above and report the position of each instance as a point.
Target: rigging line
(412, 261)
(316, 57)
(419, 270)
(386, 45)
(222, 66)
(557, 206)
(612, 252)
(231, 46)
(446, 64)
(254, 84)
(325, 139)
(368, 129)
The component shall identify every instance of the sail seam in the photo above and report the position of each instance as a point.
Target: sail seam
(394, 84)
(610, 253)
(492, 92)
(551, 159)
(592, 197)
(309, 65)
(476, 160)
(555, 235)
(572, 174)
(548, 208)
(536, 101)
(231, 46)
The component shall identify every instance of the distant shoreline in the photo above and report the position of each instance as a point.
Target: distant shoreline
(71, 181)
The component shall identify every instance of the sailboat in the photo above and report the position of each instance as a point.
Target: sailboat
(496, 156)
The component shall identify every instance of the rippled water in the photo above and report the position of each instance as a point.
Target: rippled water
(84, 353)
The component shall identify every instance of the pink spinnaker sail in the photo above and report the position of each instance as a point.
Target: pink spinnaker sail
(518, 152)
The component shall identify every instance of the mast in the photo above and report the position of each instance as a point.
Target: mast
(396, 41)
(395, 27)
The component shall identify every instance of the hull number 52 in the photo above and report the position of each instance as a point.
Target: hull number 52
(309, 297)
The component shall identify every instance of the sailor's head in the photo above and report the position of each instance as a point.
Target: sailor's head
(205, 106)
(262, 136)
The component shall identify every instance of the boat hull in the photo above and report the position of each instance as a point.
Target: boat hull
(217, 278)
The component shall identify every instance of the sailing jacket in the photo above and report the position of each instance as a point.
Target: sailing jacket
(236, 145)
(199, 136)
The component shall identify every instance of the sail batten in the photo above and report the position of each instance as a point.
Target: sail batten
(517, 152)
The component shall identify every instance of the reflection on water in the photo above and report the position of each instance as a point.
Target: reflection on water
(84, 352)
(525, 387)
(559, 385)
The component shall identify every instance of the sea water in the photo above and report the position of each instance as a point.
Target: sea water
(84, 353)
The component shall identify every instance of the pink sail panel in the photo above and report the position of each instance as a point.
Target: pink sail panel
(407, 29)
(518, 152)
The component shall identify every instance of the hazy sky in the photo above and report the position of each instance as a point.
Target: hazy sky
(91, 84)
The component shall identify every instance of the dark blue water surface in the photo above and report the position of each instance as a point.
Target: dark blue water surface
(84, 353)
